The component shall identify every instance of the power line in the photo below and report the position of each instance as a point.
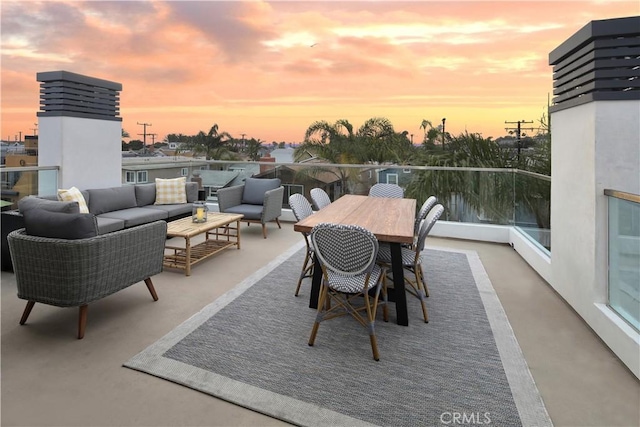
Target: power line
(144, 133)
(518, 131)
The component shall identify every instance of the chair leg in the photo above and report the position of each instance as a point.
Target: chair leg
(264, 230)
(27, 312)
(421, 293)
(152, 290)
(372, 330)
(424, 281)
(303, 274)
(278, 222)
(82, 321)
(374, 347)
(321, 303)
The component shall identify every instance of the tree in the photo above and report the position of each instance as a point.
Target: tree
(253, 147)
(431, 135)
(501, 196)
(213, 145)
(462, 191)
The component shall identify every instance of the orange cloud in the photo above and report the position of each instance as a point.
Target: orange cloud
(269, 69)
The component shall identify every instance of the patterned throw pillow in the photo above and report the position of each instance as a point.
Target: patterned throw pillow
(171, 191)
(73, 195)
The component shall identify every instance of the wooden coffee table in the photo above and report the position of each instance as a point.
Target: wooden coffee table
(220, 233)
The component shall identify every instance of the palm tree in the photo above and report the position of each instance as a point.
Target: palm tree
(212, 144)
(488, 193)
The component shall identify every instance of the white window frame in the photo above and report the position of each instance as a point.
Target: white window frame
(130, 177)
(184, 172)
(394, 179)
(142, 177)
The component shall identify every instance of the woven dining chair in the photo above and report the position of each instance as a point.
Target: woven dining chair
(412, 262)
(351, 278)
(320, 198)
(301, 209)
(422, 213)
(386, 190)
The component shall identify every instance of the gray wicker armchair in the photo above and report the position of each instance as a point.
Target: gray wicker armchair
(74, 273)
(258, 199)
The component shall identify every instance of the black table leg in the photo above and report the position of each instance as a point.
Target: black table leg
(399, 295)
(315, 283)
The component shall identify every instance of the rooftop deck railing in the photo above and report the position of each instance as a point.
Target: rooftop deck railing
(624, 255)
(508, 197)
(19, 182)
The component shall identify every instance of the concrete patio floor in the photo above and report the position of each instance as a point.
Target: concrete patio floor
(49, 378)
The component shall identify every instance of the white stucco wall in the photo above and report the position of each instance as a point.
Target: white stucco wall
(88, 151)
(595, 146)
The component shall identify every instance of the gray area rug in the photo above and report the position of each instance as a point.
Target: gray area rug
(250, 347)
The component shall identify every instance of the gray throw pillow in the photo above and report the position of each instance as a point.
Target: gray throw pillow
(27, 203)
(254, 189)
(57, 225)
(145, 194)
(192, 192)
(112, 199)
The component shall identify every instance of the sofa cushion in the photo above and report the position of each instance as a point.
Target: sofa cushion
(192, 191)
(73, 195)
(33, 202)
(179, 209)
(58, 225)
(109, 225)
(135, 216)
(145, 194)
(171, 191)
(254, 189)
(103, 200)
(249, 211)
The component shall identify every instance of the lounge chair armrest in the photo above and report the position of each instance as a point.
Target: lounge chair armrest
(272, 206)
(229, 197)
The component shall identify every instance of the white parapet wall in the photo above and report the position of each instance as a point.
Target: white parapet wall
(80, 130)
(595, 146)
(88, 151)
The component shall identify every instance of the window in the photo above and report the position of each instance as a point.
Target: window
(184, 172)
(290, 189)
(130, 177)
(392, 178)
(406, 170)
(141, 176)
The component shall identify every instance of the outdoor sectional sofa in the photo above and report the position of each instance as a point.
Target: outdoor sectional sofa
(115, 208)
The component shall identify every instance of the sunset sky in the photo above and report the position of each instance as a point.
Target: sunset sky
(270, 69)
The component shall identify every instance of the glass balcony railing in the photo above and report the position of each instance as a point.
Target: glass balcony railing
(532, 200)
(624, 255)
(19, 182)
(470, 195)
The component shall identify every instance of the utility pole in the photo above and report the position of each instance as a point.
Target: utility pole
(153, 138)
(518, 131)
(443, 120)
(243, 134)
(19, 136)
(144, 133)
(35, 129)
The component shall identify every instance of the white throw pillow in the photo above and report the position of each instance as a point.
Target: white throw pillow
(171, 191)
(73, 195)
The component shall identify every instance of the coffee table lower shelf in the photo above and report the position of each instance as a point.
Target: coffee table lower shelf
(221, 231)
(199, 252)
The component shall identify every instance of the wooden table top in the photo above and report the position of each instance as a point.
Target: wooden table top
(185, 227)
(391, 220)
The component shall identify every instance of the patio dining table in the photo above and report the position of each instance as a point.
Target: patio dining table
(391, 220)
